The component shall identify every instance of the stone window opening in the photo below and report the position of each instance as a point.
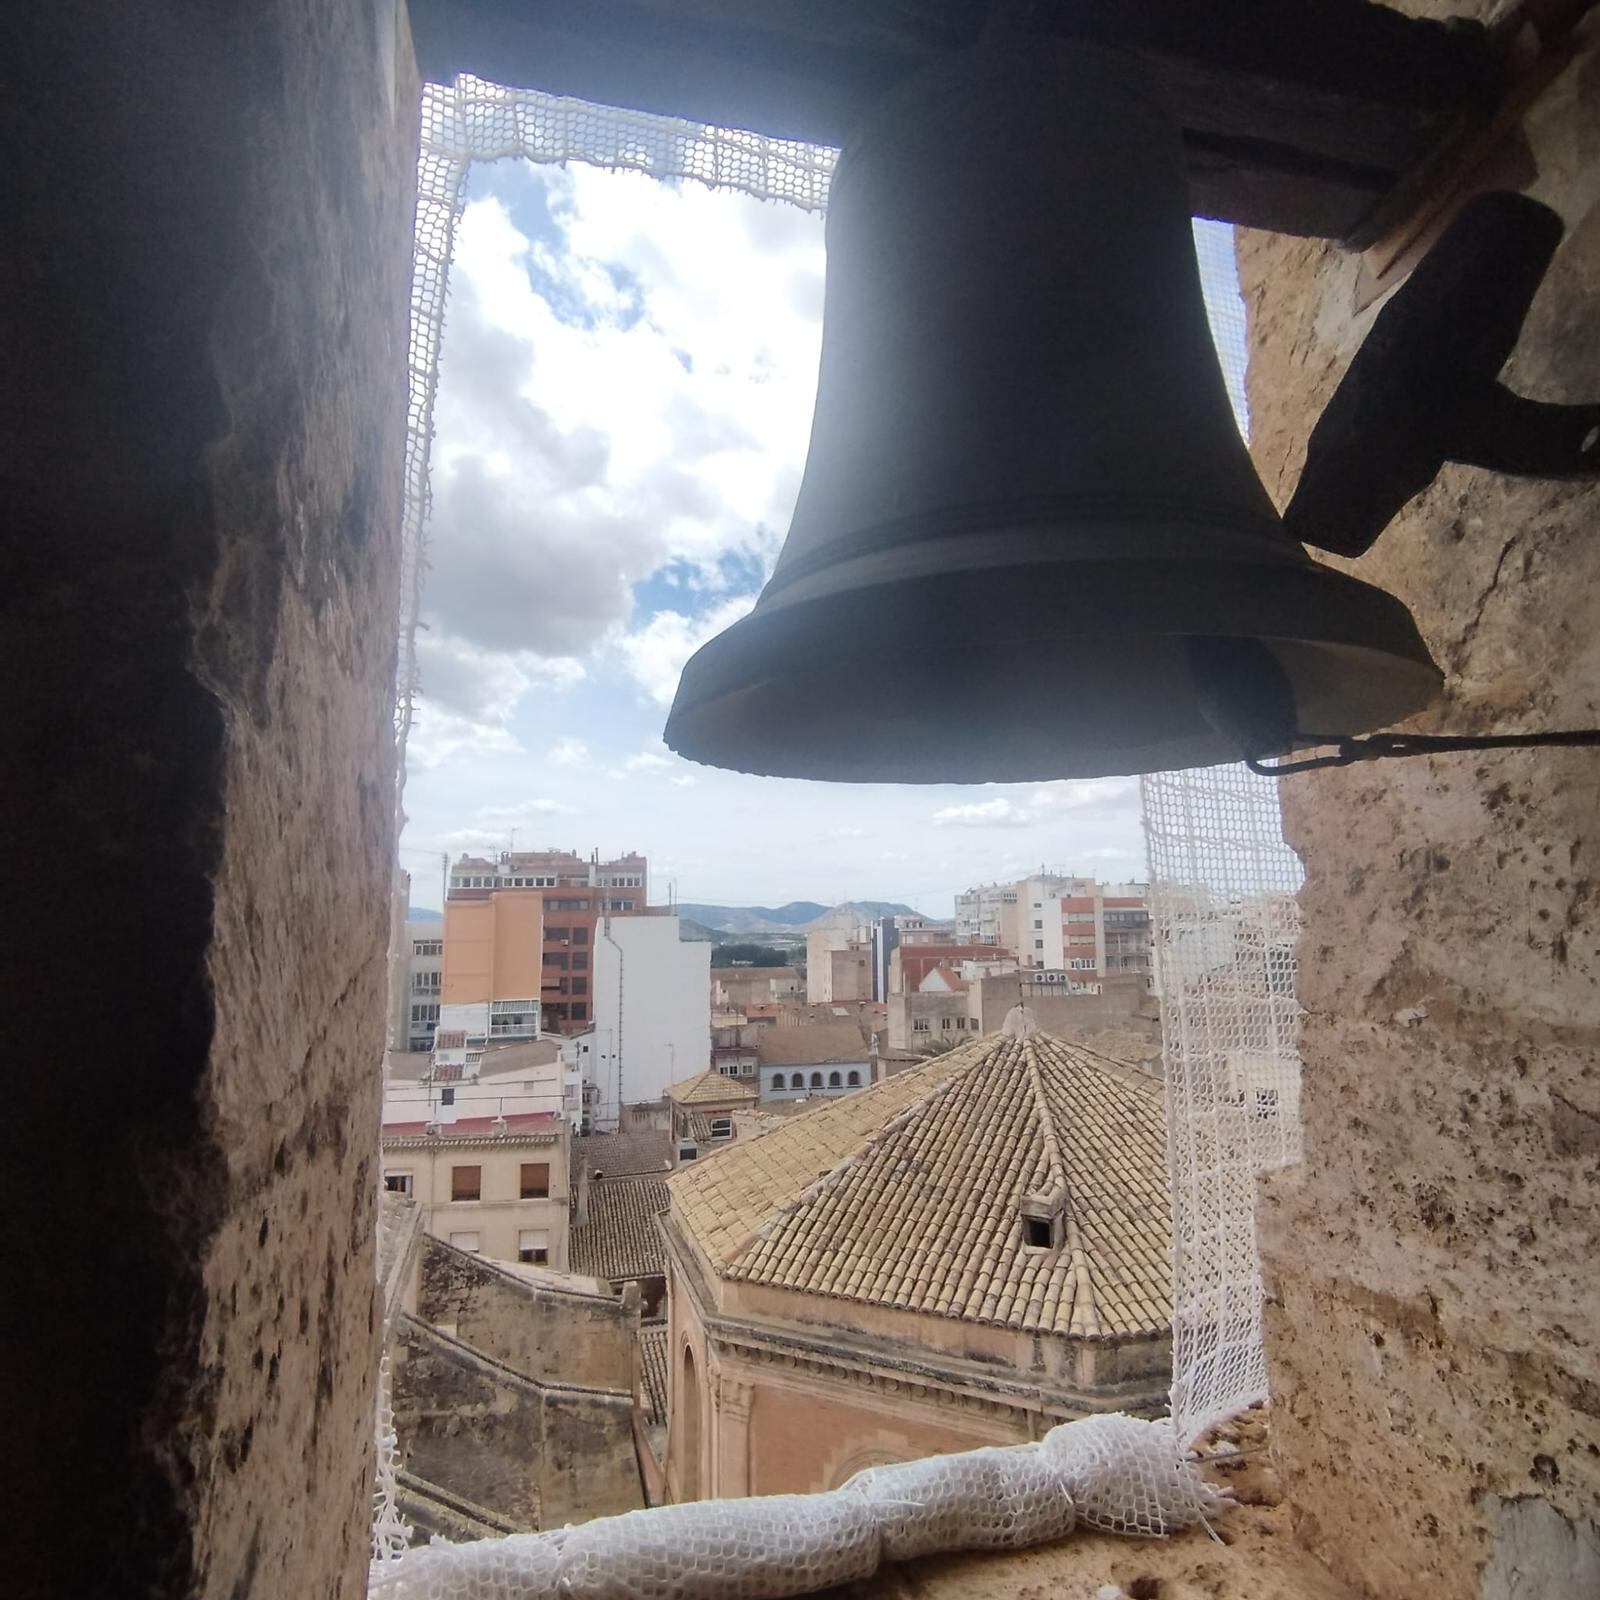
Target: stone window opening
(816, 1080)
(398, 1182)
(535, 1183)
(853, 1078)
(533, 1246)
(466, 1183)
(722, 1127)
(835, 1081)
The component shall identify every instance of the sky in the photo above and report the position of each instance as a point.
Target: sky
(626, 383)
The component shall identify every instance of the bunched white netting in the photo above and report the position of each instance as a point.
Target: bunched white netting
(1225, 927)
(1113, 1473)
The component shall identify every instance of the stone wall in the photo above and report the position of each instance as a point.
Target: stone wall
(535, 1455)
(1434, 1326)
(205, 283)
(559, 1335)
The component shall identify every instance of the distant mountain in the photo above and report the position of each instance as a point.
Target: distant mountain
(423, 914)
(798, 916)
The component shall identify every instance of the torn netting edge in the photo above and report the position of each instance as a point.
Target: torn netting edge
(1226, 924)
(463, 123)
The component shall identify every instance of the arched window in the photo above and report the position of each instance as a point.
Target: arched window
(689, 1415)
(816, 1080)
(853, 1078)
(835, 1081)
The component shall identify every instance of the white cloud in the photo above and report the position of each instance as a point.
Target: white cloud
(542, 807)
(845, 833)
(569, 752)
(654, 655)
(647, 761)
(983, 814)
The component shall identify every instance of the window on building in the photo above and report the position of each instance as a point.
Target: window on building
(722, 1127)
(835, 1081)
(1038, 944)
(580, 960)
(556, 959)
(533, 1245)
(397, 1182)
(425, 1011)
(580, 986)
(946, 1024)
(535, 1180)
(688, 1152)
(466, 1183)
(580, 1012)
(816, 1080)
(1036, 1232)
(465, 1241)
(557, 935)
(581, 935)
(919, 1024)
(853, 1078)
(1037, 924)
(1082, 963)
(427, 947)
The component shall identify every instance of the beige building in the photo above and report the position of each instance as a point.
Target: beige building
(739, 988)
(491, 1186)
(701, 1110)
(961, 1255)
(838, 965)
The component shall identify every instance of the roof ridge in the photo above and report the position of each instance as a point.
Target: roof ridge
(1047, 1123)
(837, 1173)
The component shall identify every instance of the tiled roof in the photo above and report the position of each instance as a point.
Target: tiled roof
(620, 1239)
(653, 1371)
(615, 1155)
(907, 1193)
(709, 1088)
(542, 1126)
(810, 1042)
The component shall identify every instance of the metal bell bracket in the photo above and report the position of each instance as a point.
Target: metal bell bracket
(1424, 387)
(1422, 390)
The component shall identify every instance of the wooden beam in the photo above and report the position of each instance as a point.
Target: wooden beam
(1299, 114)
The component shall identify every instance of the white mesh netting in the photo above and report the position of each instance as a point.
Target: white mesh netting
(1223, 885)
(1234, 1033)
(1113, 1473)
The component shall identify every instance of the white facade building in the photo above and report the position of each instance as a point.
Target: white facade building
(651, 1009)
(418, 982)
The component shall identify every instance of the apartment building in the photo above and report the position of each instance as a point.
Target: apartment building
(650, 1019)
(495, 1186)
(418, 984)
(521, 928)
(1063, 922)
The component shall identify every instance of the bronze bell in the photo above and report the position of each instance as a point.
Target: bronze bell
(1028, 524)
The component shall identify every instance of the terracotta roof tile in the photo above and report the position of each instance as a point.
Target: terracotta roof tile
(921, 1180)
(620, 1239)
(709, 1088)
(809, 1042)
(653, 1371)
(619, 1154)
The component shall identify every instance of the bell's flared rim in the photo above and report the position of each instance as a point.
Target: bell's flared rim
(1034, 673)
